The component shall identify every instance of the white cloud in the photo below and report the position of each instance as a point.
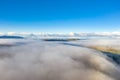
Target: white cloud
(11, 33)
(41, 60)
(1, 33)
(71, 34)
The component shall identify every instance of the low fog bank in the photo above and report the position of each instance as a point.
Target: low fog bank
(14, 42)
(40, 60)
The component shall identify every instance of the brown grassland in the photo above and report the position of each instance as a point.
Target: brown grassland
(106, 49)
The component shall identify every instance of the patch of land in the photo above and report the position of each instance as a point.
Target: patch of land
(106, 49)
(70, 39)
(11, 37)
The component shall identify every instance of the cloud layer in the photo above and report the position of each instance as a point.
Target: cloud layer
(40, 35)
(41, 60)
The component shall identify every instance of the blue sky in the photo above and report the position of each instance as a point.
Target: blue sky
(59, 15)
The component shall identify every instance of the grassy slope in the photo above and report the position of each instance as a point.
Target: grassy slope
(106, 49)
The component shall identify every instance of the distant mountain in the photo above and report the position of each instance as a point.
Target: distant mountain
(11, 37)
